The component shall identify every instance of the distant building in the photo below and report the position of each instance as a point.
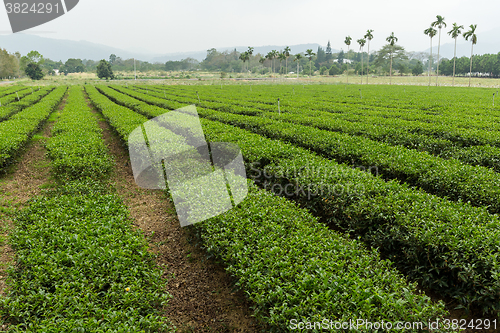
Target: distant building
(348, 61)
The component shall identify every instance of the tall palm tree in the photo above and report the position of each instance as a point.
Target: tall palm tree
(361, 43)
(431, 32)
(297, 58)
(391, 40)
(440, 24)
(455, 32)
(275, 55)
(270, 56)
(310, 54)
(281, 57)
(368, 36)
(471, 34)
(250, 52)
(287, 54)
(243, 56)
(347, 42)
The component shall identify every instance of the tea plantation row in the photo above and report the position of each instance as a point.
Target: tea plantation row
(290, 265)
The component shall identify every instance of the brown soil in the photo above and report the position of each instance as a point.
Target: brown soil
(202, 296)
(24, 179)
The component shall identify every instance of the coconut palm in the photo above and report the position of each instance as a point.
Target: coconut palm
(391, 40)
(250, 52)
(431, 32)
(471, 34)
(287, 54)
(275, 55)
(310, 54)
(270, 56)
(368, 36)
(440, 24)
(347, 42)
(297, 59)
(455, 32)
(281, 57)
(361, 43)
(243, 56)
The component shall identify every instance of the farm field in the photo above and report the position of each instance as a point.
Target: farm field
(364, 201)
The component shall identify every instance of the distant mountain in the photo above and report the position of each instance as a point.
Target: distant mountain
(200, 55)
(62, 49)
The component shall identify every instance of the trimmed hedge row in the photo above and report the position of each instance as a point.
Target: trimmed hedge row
(319, 274)
(76, 146)
(6, 90)
(294, 268)
(121, 118)
(80, 267)
(15, 132)
(367, 127)
(449, 247)
(448, 178)
(30, 99)
(14, 96)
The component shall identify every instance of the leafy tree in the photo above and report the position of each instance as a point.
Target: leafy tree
(310, 54)
(73, 66)
(431, 32)
(455, 32)
(51, 65)
(440, 24)
(320, 57)
(347, 41)
(34, 71)
(334, 70)
(323, 70)
(361, 43)
(112, 59)
(9, 64)
(328, 53)
(368, 36)
(340, 57)
(402, 68)
(391, 40)
(33, 57)
(104, 70)
(471, 34)
(418, 69)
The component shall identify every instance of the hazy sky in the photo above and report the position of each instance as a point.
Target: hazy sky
(165, 26)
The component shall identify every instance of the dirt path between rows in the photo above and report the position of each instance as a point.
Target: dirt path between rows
(202, 293)
(24, 179)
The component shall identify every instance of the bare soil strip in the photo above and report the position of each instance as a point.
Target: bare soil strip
(203, 299)
(24, 179)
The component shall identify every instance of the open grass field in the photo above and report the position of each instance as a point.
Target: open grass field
(367, 204)
(204, 78)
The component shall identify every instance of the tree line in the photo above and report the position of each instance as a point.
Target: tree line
(391, 58)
